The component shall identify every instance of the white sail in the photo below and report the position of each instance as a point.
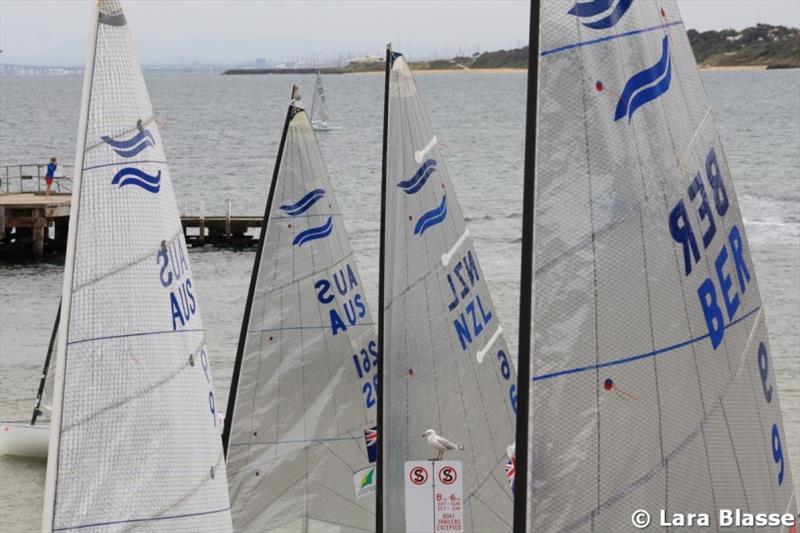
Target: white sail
(303, 398)
(652, 382)
(446, 363)
(134, 441)
(319, 104)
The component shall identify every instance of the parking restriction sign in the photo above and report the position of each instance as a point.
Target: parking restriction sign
(434, 497)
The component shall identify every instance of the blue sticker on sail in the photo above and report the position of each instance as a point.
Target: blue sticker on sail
(313, 234)
(596, 7)
(392, 57)
(431, 218)
(304, 203)
(134, 176)
(131, 147)
(416, 182)
(646, 86)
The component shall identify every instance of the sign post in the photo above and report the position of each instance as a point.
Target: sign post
(434, 497)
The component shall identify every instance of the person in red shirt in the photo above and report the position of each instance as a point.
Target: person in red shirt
(51, 172)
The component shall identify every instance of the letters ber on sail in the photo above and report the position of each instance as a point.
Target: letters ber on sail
(652, 385)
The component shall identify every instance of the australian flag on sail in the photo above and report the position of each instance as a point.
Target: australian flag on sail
(511, 472)
(371, 438)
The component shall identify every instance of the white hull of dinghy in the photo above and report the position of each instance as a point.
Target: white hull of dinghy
(319, 126)
(24, 440)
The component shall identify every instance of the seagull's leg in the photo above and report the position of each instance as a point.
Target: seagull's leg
(440, 456)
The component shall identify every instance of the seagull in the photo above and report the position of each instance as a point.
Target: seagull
(440, 443)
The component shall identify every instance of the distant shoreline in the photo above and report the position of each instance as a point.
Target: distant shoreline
(498, 70)
(735, 68)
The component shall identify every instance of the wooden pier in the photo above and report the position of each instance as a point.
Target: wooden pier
(26, 219)
(33, 225)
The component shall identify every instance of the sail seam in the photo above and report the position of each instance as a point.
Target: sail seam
(608, 38)
(127, 335)
(735, 455)
(119, 163)
(138, 520)
(637, 357)
(295, 217)
(291, 328)
(290, 441)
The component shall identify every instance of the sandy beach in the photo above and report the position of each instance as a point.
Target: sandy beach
(737, 68)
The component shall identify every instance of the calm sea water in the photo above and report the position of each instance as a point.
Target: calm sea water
(221, 135)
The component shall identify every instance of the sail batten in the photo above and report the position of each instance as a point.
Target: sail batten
(302, 410)
(131, 400)
(446, 364)
(647, 331)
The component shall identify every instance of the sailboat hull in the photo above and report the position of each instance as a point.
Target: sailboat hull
(319, 127)
(24, 440)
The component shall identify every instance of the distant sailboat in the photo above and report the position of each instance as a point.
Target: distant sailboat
(446, 367)
(300, 433)
(134, 440)
(320, 116)
(642, 330)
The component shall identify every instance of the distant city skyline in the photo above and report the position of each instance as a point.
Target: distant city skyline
(230, 32)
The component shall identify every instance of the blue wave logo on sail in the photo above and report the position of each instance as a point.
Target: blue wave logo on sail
(134, 176)
(432, 218)
(416, 182)
(313, 234)
(646, 86)
(304, 203)
(131, 147)
(597, 7)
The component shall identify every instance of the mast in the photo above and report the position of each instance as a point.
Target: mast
(48, 510)
(37, 412)
(526, 275)
(381, 299)
(237, 366)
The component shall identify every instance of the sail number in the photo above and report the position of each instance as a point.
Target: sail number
(202, 354)
(727, 264)
(471, 322)
(505, 371)
(775, 437)
(173, 273)
(366, 363)
(340, 294)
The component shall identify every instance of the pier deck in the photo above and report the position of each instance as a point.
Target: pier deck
(26, 219)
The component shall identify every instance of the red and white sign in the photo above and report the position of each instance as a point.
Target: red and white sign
(434, 497)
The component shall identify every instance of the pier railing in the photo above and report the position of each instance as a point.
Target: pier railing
(30, 178)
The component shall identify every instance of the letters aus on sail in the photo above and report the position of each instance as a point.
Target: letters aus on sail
(134, 432)
(302, 442)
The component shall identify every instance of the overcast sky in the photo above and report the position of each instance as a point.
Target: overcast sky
(48, 32)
